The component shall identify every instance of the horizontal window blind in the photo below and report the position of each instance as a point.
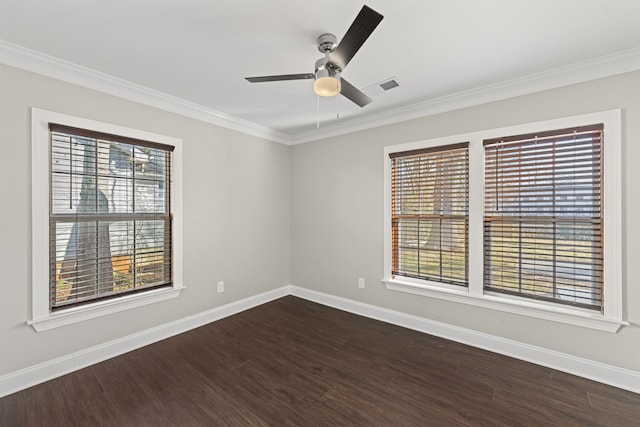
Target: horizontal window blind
(429, 218)
(543, 216)
(110, 218)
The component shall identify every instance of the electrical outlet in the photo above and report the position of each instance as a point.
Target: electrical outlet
(220, 287)
(361, 282)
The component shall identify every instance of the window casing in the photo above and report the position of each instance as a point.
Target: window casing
(599, 312)
(106, 219)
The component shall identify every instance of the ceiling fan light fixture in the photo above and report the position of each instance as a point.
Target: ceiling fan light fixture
(327, 83)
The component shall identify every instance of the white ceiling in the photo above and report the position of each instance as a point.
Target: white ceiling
(200, 51)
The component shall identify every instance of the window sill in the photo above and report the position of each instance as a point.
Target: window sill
(102, 308)
(505, 303)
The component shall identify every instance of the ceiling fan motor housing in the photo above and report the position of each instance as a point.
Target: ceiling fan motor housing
(327, 43)
(326, 67)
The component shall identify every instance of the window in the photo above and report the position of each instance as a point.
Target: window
(542, 219)
(110, 216)
(106, 219)
(429, 220)
(536, 217)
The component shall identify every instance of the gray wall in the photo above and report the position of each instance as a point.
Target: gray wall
(261, 215)
(337, 216)
(236, 216)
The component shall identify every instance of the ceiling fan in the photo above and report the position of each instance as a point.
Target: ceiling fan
(328, 81)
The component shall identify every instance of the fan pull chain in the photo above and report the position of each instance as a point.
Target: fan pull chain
(317, 111)
(337, 111)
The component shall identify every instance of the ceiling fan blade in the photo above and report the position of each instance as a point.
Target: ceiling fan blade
(354, 94)
(359, 31)
(280, 77)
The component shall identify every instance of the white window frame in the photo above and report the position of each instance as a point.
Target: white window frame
(42, 318)
(611, 318)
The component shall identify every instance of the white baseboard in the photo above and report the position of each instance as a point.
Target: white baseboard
(24, 378)
(618, 377)
(607, 374)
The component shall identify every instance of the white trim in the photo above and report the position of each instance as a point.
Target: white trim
(612, 317)
(522, 306)
(41, 317)
(46, 65)
(36, 374)
(612, 214)
(592, 69)
(24, 378)
(476, 222)
(103, 308)
(40, 63)
(608, 374)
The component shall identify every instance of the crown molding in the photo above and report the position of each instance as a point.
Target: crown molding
(592, 69)
(40, 63)
(49, 66)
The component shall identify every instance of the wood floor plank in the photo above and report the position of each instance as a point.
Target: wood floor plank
(292, 362)
(13, 409)
(276, 413)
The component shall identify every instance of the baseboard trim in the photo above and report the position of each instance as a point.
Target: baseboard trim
(618, 377)
(612, 375)
(33, 375)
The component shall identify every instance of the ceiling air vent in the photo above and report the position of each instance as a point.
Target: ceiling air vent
(383, 86)
(389, 85)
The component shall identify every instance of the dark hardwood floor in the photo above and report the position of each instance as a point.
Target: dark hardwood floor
(293, 362)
